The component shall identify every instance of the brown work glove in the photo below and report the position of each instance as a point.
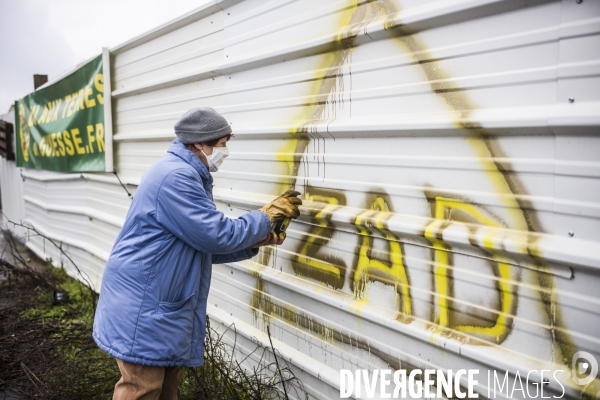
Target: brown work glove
(285, 206)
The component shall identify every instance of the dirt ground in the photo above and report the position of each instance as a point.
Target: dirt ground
(46, 347)
(7, 300)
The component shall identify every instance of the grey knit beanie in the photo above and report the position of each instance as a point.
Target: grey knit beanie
(201, 125)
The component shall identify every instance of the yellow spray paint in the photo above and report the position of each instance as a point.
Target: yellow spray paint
(322, 86)
(433, 232)
(478, 139)
(358, 304)
(368, 268)
(321, 217)
(480, 142)
(329, 269)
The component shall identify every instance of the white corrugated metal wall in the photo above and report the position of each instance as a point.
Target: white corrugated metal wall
(448, 153)
(12, 190)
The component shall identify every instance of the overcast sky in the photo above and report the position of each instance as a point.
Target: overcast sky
(49, 37)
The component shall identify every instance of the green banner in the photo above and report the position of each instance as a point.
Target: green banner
(61, 127)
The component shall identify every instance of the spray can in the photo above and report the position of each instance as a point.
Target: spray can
(280, 227)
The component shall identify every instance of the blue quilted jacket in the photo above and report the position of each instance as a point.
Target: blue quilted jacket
(152, 306)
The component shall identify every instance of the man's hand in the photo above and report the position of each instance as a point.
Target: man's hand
(269, 239)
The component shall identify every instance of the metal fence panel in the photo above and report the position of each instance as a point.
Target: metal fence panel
(448, 156)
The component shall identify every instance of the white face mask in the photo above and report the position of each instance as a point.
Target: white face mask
(216, 158)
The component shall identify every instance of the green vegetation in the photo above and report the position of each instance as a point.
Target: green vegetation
(47, 348)
(47, 351)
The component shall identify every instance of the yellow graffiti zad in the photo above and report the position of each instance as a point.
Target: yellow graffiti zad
(322, 218)
(433, 232)
(328, 269)
(322, 87)
(370, 269)
(484, 145)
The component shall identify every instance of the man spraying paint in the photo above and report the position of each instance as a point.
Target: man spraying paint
(151, 314)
